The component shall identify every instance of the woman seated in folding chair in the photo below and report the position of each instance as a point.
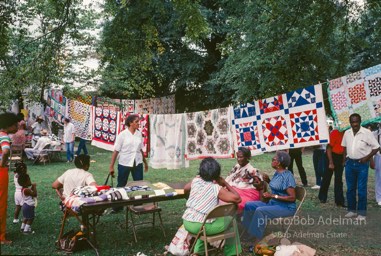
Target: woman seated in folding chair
(282, 199)
(246, 179)
(206, 189)
(75, 177)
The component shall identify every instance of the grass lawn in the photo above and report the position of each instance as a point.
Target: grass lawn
(321, 225)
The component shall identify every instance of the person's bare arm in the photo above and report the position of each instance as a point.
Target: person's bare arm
(289, 198)
(187, 187)
(145, 162)
(4, 158)
(330, 159)
(58, 187)
(113, 159)
(31, 191)
(228, 193)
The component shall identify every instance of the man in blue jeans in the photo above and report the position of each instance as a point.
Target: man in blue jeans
(68, 139)
(359, 146)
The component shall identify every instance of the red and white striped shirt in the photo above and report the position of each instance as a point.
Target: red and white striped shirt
(202, 199)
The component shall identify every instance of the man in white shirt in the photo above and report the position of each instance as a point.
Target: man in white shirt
(36, 130)
(41, 143)
(359, 146)
(68, 139)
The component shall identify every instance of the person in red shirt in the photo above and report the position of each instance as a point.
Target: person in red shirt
(8, 124)
(335, 166)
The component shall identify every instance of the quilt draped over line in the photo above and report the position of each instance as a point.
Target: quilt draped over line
(105, 127)
(208, 134)
(291, 120)
(359, 92)
(81, 116)
(167, 141)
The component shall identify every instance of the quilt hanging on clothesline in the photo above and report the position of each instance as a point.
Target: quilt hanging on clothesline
(57, 105)
(167, 141)
(360, 93)
(128, 105)
(164, 105)
(81, 116)
(105, 127)
(143, 128)
(208, 134)
(291, 120)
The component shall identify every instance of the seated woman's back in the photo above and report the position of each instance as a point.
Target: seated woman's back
(202, 199)
(76, 177)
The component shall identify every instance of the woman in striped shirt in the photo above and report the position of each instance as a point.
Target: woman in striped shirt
(206, 189)
(8, 124)
(282, 199)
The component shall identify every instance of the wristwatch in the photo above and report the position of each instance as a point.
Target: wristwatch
(276, 196)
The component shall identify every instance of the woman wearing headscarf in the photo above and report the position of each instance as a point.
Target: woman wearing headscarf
(245, 179)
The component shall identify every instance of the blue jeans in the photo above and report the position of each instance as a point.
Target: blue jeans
(356, 175)
(124, 172)
(320, 161)
(82, 145)
(69, 150)
(257, 213)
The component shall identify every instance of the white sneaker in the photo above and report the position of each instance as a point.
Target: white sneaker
(16, 221)
(351, 215)
(361, 218)
(315, 187)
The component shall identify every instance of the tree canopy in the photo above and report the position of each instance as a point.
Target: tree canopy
(210, 53)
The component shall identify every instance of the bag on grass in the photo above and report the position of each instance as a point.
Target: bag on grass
(74, 241)
(180, 244)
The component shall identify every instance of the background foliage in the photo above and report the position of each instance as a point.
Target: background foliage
(210, 53)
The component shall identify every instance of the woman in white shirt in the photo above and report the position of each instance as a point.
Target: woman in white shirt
(74, 177)
(128, 149)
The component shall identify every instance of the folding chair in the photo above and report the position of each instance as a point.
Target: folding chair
(16, 154)
(139, 210)
(219, 211)
(300, 194)
(70, 213)
(43, 155)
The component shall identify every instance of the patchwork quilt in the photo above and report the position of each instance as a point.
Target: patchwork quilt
(291, 120)
(105, 127)
(163, 105)
(58, 108)
(81, 116)
(143, 128)
(208, 134)
(359, 92)
(89, 194)
(167, 141)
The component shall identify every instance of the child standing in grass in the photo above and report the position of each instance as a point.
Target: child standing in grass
(29, 192)
(20, 169)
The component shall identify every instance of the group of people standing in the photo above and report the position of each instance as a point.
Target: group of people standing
(353, 150)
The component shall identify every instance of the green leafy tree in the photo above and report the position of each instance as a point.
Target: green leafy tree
(40, 52)
(278, 46)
